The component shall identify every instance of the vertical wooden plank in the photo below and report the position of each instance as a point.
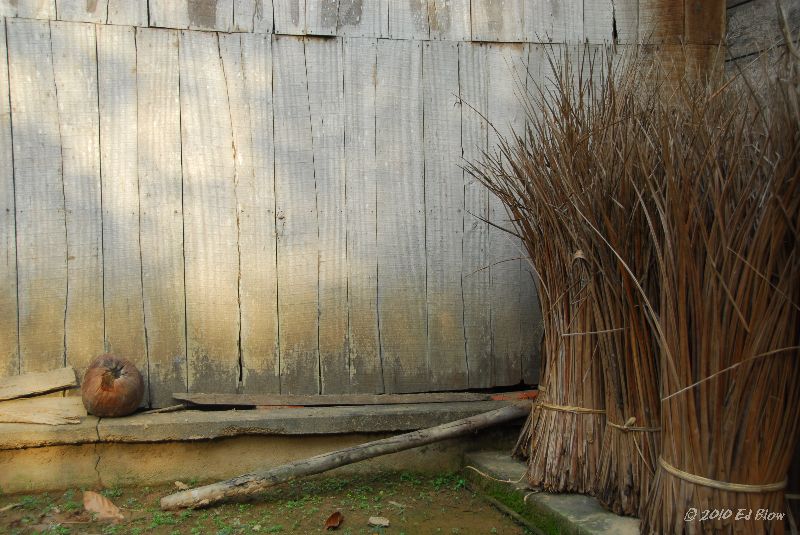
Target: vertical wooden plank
(360, 72)
(248, 70)
(401, 216)
(444, 205)
(39, 197)
(326, 102)
(9, 346)
(210, 228)
(408, 19)
(474, 93)
(75, 74)
(626, 19)
(363, 18)
(705, 21)
(297, 229)
(82, 10)
(505, 114)
(127, 12)
(599, 21)
(322, 17)
(124, 312)
(290, 16)
(161, 211)
(555, 21)
(661, 21)
(28, 9)
(262, 17)
(169, 13)
(450, 19)
(498, 20)
(243, 15)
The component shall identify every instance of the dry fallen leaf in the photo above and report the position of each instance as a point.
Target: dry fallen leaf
(334, 521)
(97, 503)
(181, 485)
(378, 521)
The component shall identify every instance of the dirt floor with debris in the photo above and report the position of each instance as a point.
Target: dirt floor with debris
(413, 504)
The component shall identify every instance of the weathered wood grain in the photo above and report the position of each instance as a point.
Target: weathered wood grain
(39, 196)
(9, 343)
(444, 220)
(161, 211)
(263, 16)
(28, 9)
(290, 16)
(49, 411)
(297, 221)
(498, 20)
(122, 275)
(210, 229)
(555, 21)
(128, 12)
(326, 102)
(754, 26)
(661, 21)
(29, 384)
(82, 10)
(360, 78)
(705, 21)
(506, 73)
(322, 17)
(401, 216)
(363, 18)
(193, 14)
(450, 19)
(324, 400)
(599, 21)
(75, 73)
(474, 94)
(248, 71)
(408, 19)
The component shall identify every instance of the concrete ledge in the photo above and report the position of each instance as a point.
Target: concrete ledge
(543, 513)
(207, 425)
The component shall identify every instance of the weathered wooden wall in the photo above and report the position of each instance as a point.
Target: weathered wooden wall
(754, 26)
(266, 196)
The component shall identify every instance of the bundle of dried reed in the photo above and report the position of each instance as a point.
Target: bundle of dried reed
(562, 436)
(726, 219)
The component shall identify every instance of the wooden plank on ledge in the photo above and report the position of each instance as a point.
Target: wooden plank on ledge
(50, 411)
(28, 384)
(346, 399)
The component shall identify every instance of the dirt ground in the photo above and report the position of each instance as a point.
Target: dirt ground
(413, 503)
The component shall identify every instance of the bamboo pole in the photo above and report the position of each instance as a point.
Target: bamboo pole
(249, 484)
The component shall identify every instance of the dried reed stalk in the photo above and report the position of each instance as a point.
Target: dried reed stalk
(726, 219)
(562, 436)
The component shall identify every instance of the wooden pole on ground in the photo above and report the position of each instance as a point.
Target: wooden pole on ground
(256, 482)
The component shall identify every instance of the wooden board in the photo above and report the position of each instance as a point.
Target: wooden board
(322, 17)
(122, 276)
(498, 20)
(210, 229)
(128, 12)
(360, 68)
(661, 21)
(401, 216)
(248, 71)
(263, 16)
(705, 21)
(75, 70)
(289, 16)
(505, 114)
(450, 19)
(444, 220)
(297, 226)
(193, 14)
(753, 26)
(39, 195)
(9, 343)
(28, 9)
(556, 21)
(82, 10)
(409, 19)
(363, 18)
(252, 16)
(329, 400)
(161, 211)
(473, 90)
(599, 21)
(37, 383)
(326, 102)
(50, 411)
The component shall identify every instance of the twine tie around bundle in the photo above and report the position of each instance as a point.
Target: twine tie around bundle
(721, 485)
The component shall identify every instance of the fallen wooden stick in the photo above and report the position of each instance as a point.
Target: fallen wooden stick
(256, 482)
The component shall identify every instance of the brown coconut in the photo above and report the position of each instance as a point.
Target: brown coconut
(112, 386)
